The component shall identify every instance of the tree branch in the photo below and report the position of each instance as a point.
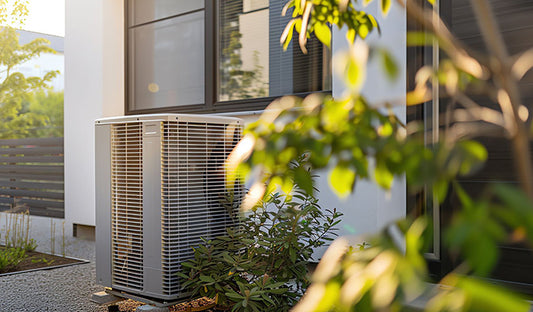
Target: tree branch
(447, 41)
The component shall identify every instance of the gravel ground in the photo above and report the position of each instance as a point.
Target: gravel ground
(64, 289)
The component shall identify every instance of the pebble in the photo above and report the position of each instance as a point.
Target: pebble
(63, 289)
(68, 288)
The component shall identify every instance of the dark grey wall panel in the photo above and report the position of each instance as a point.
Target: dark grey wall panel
(31, 176)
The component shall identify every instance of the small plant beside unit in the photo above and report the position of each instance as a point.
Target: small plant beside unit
(266, 262)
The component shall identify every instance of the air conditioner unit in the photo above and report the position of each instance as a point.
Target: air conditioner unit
(160, 188)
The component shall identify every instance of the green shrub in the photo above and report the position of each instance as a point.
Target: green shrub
(10, 257)
(265, 262)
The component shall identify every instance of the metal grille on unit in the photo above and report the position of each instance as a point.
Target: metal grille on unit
(193, 190)
(127, 205)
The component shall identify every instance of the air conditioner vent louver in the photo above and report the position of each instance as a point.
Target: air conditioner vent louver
(193, 189)
(127, 205)
(161, 188)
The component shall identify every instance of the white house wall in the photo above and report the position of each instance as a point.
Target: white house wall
(94, 88)
(370, 208)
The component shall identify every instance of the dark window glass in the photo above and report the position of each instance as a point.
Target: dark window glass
(166, 63)
(251, 60)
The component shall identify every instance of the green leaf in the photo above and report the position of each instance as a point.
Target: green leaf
(518, 210)
(182, 275)
(373, 22)
(465, 200)
(266, 298)
(391, 68)
(228, 258)
(382, 175)
(188, 265)
(342, 180)
(303, 179)
(491, 298)
(323, 33)
(440, 189)
(513, 198)
(414, 242)
(292, 254)
(363, 31)
(278, 291)
(482, 254)
(350, 35)
(476, 149)
(419, 38)
(235, 296)
(475, 155)
(354, 74)
(385, 6)
(330, 297)
(207, 279)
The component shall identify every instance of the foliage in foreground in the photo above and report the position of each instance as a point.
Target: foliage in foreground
(265, 262)
(357, 140)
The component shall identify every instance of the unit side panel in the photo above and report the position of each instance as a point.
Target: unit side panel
(152, 207)
(103, 204)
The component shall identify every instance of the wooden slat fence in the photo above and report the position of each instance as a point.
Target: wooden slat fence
(31, 176)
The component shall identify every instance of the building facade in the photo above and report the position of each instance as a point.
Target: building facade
(208, 57)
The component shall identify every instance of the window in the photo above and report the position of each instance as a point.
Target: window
(215, 56)
(164, 67)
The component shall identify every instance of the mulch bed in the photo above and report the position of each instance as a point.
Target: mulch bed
(201, 304)
(38, 260)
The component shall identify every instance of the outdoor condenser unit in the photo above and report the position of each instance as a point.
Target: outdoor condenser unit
(160, 188)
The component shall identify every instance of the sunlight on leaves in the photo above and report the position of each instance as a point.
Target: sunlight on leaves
(389, 64)
(383, 175)
(342, 179)
(323, 33)
(385, 6)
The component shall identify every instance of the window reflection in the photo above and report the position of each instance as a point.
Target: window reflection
(252, 63)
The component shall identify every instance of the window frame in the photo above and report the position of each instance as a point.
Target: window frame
(437, 259)
(211, 74)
